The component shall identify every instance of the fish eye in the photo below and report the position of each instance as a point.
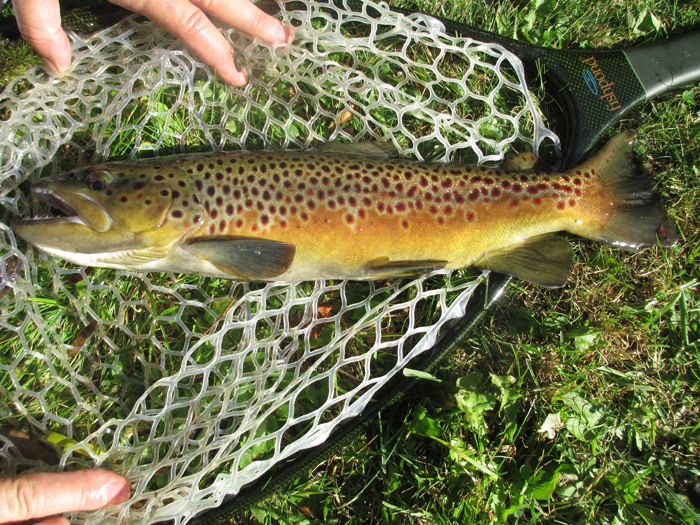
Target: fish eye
(98, 181)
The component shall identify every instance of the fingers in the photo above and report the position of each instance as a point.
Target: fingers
(243, 16)
(39, 21)
(191, 24)
(44, 494)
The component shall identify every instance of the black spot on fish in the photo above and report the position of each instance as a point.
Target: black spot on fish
(177, 214)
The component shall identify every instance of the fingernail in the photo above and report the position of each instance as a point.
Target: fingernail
(117, 492)
(53, 67)
(283, 34)
(233, 76)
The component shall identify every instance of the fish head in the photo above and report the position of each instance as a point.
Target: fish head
(106, 208)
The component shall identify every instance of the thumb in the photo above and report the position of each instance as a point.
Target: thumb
(37, 495)
(39, 21)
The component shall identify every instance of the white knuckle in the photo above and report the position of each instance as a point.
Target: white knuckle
(196, 23)
(22, 499)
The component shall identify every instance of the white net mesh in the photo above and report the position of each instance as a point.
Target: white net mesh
(195, 387)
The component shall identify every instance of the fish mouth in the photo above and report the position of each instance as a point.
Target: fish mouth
(73, 207)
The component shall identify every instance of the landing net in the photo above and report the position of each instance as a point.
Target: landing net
(194, 387)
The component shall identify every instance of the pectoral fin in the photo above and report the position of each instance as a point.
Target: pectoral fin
(383, 268)
(544, 260)
(247, 258)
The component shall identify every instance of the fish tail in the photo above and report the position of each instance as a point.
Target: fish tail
(628, 218)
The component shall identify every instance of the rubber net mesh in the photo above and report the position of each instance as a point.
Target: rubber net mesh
(194, 387)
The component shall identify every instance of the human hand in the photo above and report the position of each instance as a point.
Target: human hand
(39, 22)
(37, 495)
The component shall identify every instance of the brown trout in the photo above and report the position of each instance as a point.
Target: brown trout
(342, 212)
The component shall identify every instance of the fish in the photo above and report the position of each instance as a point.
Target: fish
(343, 211)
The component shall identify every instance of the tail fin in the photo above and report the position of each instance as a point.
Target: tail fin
(634, 221)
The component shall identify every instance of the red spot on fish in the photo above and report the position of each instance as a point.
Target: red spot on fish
(404, 224)
(470, 216)
(380, 207)
(349, 218)
(561, 205)
(514, 203)
(361, 213)
(572, 203)
(222, 225)
(495, 192)
(537, 201)
(400, 207)
(446, 183)
(577, 181)
(473, 195)
(310, 204)
(517, 188)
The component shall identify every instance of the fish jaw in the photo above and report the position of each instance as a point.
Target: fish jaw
(77, 207)
(81, 217)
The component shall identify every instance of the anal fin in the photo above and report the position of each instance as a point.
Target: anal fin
(384, 268)
(544, 260)
(248, 258)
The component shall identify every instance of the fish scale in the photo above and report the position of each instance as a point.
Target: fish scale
(255, 193)
(336, 213)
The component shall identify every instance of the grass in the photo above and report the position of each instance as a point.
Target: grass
(578, 405)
